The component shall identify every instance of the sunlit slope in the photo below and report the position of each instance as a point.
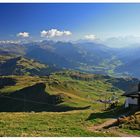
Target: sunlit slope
(74, 89)
(18, 65)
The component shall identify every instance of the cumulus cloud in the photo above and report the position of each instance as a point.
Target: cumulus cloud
(23, 34)
(90, 37)
(54, 33)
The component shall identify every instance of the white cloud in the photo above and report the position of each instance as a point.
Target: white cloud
(23, 34)
(9, 41)
(54, 33)
(90, 37)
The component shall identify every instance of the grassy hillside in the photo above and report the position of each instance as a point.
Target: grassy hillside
(17, 65)
(75, 90)
(62, 104)
(66, 124)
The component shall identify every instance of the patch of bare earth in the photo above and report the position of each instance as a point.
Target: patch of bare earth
(110, 130)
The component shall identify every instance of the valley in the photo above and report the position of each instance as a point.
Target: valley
(87, 57)
(56, 93)
(69, 69)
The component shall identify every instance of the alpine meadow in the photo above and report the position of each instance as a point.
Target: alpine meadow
(69, 70)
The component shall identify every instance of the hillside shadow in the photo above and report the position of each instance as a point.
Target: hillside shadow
(115, 113)
(101, 115)
(33, 98)
(9, 66)
(6, 81)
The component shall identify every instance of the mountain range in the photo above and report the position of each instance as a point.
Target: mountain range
(88, 57)
(62, 76)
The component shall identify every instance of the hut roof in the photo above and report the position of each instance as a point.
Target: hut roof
(132, 94)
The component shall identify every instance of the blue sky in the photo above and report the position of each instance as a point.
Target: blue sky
(70, 21)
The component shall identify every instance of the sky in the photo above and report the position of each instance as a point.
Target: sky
(67, 21)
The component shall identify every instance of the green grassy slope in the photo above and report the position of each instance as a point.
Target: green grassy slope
(70, 124)
(18, 65)
(75, 89)
(84, 89)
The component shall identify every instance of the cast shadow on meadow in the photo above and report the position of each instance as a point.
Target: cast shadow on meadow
(33, 98)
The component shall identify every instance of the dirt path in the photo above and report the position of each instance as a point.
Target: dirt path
(112, 130)
(105, 124)
(117, 132)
